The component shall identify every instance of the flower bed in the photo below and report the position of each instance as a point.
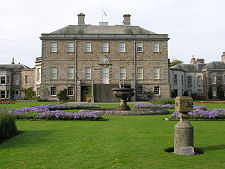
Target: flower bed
(201, 112)
(7, 102)
(60, 115)
(53, 112)
(166, 106)
(218, 101)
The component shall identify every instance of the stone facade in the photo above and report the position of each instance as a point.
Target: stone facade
(187, 78)
(11, 80)
(96, 61)
(199, 78)
(27, 80)
(214, 80)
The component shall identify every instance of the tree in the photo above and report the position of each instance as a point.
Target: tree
(175, 62)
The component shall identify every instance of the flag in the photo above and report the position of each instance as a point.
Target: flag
(104, 12)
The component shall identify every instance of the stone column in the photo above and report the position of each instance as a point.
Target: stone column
(78, 91)
(92, 92)
(183, 130)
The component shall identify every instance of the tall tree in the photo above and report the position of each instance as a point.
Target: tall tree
(175, 62)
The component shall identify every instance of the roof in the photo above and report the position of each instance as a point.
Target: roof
(99, 29)
(103, 32)
(215, 65)
(13, 67)
(188, 67)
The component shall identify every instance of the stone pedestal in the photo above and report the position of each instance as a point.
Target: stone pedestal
(183, 135)
(123, 105)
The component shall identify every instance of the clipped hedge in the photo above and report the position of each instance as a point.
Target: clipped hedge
(7, 124)
(165, 101)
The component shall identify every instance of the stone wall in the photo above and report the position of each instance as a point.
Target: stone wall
(30, 82)
(79, 59)
(220, 83)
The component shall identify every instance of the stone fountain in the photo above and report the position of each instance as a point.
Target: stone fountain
(124, 92)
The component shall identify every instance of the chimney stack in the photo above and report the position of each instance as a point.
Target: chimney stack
(81, 20)
(126, 19)
(223, 57)
(13, 62)
(193, 61)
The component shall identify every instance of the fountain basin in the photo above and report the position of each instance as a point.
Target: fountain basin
(123, 94)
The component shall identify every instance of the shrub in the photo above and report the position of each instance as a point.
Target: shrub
(62, 95)
(149, 94)
(29, 94)
(7, 124)
(165, 101)
(210, 96)
(88, 97)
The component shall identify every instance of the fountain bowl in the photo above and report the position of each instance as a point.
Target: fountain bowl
(123, 94)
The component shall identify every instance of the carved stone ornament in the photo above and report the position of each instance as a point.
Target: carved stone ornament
(105, 60)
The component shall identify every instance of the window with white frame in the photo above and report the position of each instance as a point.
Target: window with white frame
(87, 46)
(156, 90)
(70, 74)
(122, 73)
(17, 79)
(70, 91)
(214, 92)
(3, 80)
(3, 95)
(140, 72)
(213, 79)
(25, 79)
(53, 91)
(70, 47)
(156, 73)
(53, 47)
(105, 75)
(155, 47)
(139, 90)
(105, 46)
(39, 74)
(53, 73)
(122, 47)
(87, 73)
(175, 79)
(189, 80)
(139, 47)
(199, 80)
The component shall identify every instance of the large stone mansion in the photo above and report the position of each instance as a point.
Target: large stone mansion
(83, 56)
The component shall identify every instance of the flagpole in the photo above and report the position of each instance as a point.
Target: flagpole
(102, 16)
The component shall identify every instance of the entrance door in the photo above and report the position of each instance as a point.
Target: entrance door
(105, 75)
(84, 93)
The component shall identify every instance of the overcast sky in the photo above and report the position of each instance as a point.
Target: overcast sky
(194, 26)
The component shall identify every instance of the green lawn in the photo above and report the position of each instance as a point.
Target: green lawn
(124, 142)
